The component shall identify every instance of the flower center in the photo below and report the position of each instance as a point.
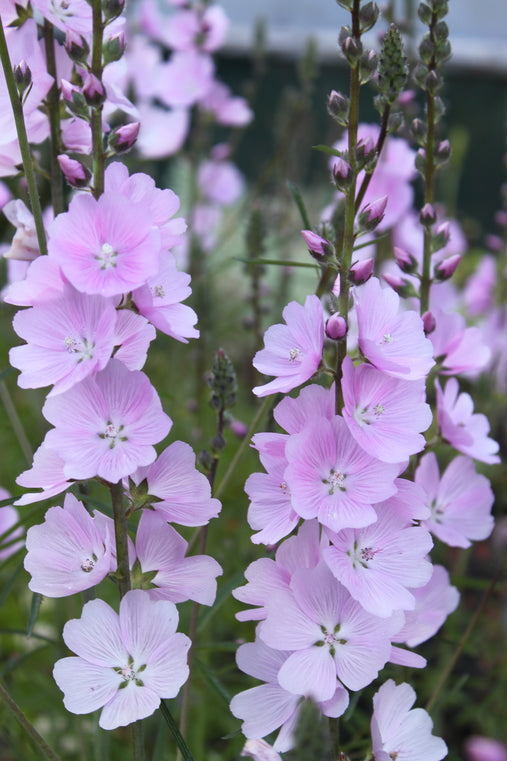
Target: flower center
(362, 556)
(331, 639)
(88, 564)
(387, 338)
(157, 291)
(335, 481)
(437, 511)
(80, 346)
(107, 257)
(113, 433)
(294, 354)
(367, 415)
(129, 673)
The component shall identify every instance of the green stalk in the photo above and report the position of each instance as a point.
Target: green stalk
(96, 115)
(24, 146)
(53, 105)
(429, 197)
(46, 752)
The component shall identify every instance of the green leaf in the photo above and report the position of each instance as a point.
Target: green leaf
(34, 612)
(180, 740)
(298, 198)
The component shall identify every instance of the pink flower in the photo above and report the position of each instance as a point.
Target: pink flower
(46, 473)
(464, 430)
(186, 78)
(106, 425)
(399, 732)
(393, 341)
(161, 551)
(68, 339)
(260, 750)
(385, 415)
(184, 494)
(107, 246)
(270, 512)
(479, 748)
(293, 351)
(74, 15)
(192, 29)
(330, 635)
(162, 132)
(458, 348)
(333, 479)
(460, 502)
(125, 663)
(68, 552)
(229, 110)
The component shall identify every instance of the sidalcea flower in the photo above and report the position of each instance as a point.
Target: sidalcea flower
(333, 479)
(106, 246)
(393, 341)
(477, 748)
(464, 430)
(46, 473)
(183, 493)
(125, 663)
(161, 552)
(400, 731)
(68, 552)
(106, 425)
(385, 415)
(292, 351)
(67, 340)
(460, 502)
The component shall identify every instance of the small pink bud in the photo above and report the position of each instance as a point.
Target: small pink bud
(123, 138)
(220, 152)
(365, 150)
(405, 261)
(342, 173)
(336, 327)
(403, 288)
(75, 173)
(406, 97)
(447, 267)
(68, 89)
(360, 272)
(372, 214)
(429, 322)
(76, 46)
(427, 215)
(93, 90)
(494, 242)
(22, 76)
(317, 245)
(239, 428)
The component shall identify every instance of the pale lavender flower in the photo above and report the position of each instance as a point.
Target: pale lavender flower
(331, 636)
(125, 663)
(68, 552)
(260, 750)
(464, 430)
(385, 415)
(161, 551)
(332, 478)
(478, 748)
(460, 349)
(46, 473)
(184, 494)
(392, 340)
(293, 351)
(460, 502)
(106, 425)
(400, 731)
(270, 512)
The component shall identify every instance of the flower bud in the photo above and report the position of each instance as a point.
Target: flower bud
(74, 171)
(112, 9)
(365, 151)
(442, 152)
(22, 76)
(372, 214)
(367, 66)
(113, 48)
(239, 428)
(93, 90)
(317, 246)
(441, 237)
(419, 131)
(405, 261)
(403, 288)
(338, 107)
(360, 272)
(342, 173)
(76, 46)
(426, 49)
(447, 267)
(336, 327)
(368, 15)
(425, 13)
(123, 138)
(352, 50)
(433, 82)
(427, 215)
(440, 8)
(494, 242)
(74, 100)
(429, 322)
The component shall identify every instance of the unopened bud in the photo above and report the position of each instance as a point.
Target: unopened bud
(76, 46)
(368, 15)
(447, 267)
(419, 131)
(342, 173)
(365, 151)
(113, 48)
(368, 64)
(352, 50)
(440, 8)
(336, 327)
(360, 272)
(372, 214)
(74, 171)
(433, 82)
(405, 261)
(74, 100)
(441, 237)
(123, 138)
(205, 460)
(442, 152)
(317, 246)
(338, 107)
(494, 242)
(429, 322)
(425, 13)
(93, 90)
(22, 76)
(112, 9)
(403, 288)
(426, 49)
(239, 428)
(427, 215)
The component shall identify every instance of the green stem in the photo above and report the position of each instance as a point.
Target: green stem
(378, 150)
(96, 115)
(30, 730)
(180, 741)
(53, 105)
(121, 537)
(24, 146)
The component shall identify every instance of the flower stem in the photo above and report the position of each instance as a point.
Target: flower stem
(53, 105)
(96, 115)
(26, 156)
(30, 730)
(121, 536)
